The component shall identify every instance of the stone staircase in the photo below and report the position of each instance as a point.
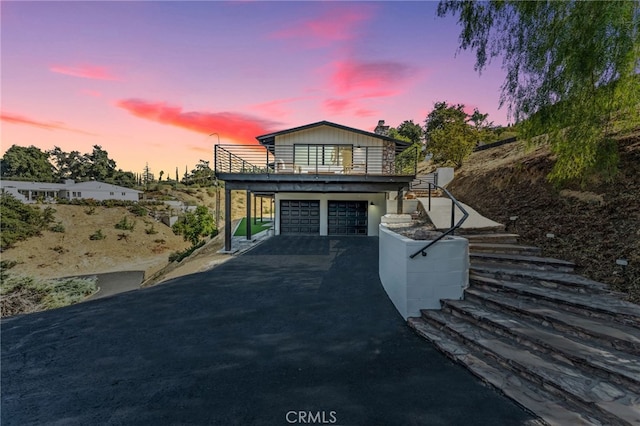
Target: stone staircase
(562, 346)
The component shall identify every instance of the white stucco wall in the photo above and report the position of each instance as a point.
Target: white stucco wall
(421, 282)
(374, 214)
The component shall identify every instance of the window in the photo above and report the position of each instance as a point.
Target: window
(79, 194)
(74, 193)
(124, 193)
(325, 155)
(111, 193)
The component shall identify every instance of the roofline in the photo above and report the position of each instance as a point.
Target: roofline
(264, 138)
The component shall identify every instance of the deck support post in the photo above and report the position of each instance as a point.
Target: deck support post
(248, 221)
(227, 219)
(399, 199)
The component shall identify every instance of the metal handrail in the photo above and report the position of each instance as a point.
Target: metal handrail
(454, 204)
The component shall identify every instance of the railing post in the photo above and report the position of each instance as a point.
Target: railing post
(215, 161)
(453, 215)
(267, 163)
(230, 164)
(429, 183)
(366, 160)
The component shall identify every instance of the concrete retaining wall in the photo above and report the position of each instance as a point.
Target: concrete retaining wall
(420, 283)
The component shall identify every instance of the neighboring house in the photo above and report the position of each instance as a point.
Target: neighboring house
(30, 192)
(325, 178)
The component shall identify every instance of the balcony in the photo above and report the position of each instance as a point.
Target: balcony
(331, 161)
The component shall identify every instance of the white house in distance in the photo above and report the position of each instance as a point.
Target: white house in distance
(30, 192)
(325, 178)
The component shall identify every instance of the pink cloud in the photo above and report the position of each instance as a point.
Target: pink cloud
(276, 108)
(337, 106)
(239, 127)
(337, 24)
(370, 78)
(84, 71)
(21, 120)
(92, 93)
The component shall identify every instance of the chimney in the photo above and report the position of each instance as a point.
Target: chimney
(381, 129)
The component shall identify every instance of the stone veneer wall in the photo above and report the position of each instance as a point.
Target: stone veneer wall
(388, 158)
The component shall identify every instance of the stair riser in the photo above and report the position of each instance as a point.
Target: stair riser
(549, 283)
(563, 327)
(524, 372)
(544, 348)
(479, 238)
(564, 305)
(529, 265)
(523, 251)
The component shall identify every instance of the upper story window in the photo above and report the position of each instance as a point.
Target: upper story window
(323, 155)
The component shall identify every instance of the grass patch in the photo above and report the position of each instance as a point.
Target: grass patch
(22, 295)
(241, 231)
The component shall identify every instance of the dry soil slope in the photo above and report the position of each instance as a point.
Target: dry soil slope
(593, 225)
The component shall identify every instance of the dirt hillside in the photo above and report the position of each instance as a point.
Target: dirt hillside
(593, 226)
(68, 253)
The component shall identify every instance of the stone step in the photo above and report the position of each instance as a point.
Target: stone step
(609, 403)
(618, 367)
(504, 238)
(530, 396)
(610, 334)
(598, 306)
(533, 262)
(546, 279)
(503, 248)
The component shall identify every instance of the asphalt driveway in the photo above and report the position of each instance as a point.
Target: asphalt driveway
(296, 331)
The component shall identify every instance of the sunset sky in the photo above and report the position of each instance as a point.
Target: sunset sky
(149, 81)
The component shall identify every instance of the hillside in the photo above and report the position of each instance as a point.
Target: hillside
(592, 226)
(68, 253)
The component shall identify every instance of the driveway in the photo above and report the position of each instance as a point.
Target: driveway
(296, 331)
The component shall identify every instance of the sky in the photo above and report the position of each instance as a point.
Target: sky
(151, 81)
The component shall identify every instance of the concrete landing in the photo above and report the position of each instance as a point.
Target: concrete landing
(440, 215)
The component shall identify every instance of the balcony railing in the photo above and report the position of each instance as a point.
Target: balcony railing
(316, 159)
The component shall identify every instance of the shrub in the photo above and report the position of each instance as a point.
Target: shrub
(58, 227)
(98, 235)
(27, 294)
(59, 249)
(138, 210)
(151, 230)
(178, 256)
(19, 221)
(125, 224)
(90, 210)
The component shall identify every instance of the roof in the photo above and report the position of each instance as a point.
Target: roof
(101, 186)
(269, 139)
(47, 186)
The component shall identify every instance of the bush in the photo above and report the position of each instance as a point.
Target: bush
(178, 256)
(27, 294)
(125, 224)
(58, 227)
(98, 235)
(90, 210)
(138, 210)
(19, 221)
(151, 230)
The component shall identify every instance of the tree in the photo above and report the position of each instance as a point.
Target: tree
(449, 137)
(571, 72)
(28, 163)
(202, 174)
(194, 225)
(413, 132)
(161, 174)
(20, 221)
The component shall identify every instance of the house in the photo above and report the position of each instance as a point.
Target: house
(30, 192)
(324, 178)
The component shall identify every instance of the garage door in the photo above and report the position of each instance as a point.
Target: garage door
(348, 218)
(300, 217)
